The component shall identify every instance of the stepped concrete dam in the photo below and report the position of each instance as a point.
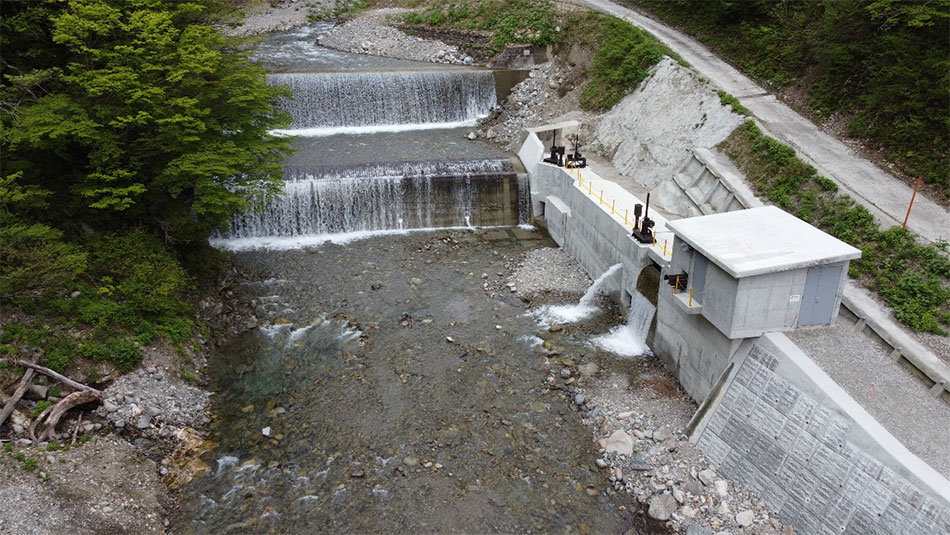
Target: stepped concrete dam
(424, 359)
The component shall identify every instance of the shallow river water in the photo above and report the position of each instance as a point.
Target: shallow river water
(390, 393)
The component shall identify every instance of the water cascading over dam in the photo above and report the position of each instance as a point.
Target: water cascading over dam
(388, 197)
(329, 188)
(362, 102)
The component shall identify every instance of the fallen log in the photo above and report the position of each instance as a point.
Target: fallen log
(50, 373)
(17, 394)
(73, 400)
(37, 421)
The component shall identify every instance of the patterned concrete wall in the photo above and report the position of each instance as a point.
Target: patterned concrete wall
(807, 460)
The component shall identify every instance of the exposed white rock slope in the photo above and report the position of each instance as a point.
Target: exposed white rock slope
(652, 129)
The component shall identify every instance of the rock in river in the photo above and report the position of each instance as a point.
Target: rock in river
(662, 507)
(619, 442)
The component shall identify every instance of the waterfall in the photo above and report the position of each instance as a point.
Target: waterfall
(322, 202)
(437, 169)
(363, 102)
(386, 197)
(629, 340)
(584, 308)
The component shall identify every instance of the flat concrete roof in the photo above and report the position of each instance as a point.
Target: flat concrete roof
(555, 126)
(760, 240)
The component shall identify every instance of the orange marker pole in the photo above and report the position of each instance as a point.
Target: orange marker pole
(912, 197)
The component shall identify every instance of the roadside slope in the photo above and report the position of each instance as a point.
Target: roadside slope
(884, 195)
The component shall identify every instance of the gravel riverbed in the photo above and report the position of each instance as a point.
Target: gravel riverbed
(370, 33)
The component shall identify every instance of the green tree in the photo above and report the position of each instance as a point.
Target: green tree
(134, 114)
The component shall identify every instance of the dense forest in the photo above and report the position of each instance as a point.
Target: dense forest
(131, 130)
(883, 65)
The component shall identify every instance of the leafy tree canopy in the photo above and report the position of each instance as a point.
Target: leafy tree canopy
(132, 114)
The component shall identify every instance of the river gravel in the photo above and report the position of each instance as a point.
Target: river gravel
(275, 16)
(370, 33)
(549, 275)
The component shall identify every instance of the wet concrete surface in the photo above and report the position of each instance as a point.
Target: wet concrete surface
(389, 392)
(448, 144)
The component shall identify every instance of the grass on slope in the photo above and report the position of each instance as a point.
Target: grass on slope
(913, 279)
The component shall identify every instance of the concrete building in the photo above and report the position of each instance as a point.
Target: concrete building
(742, 274)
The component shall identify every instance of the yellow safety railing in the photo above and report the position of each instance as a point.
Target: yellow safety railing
(611, 204)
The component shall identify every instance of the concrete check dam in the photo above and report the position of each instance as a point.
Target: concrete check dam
(406, 183)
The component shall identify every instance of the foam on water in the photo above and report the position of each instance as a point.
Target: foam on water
(286, 243)
(629, 340)
(584, 309)
(272, 331)
(533, 341)
(326, 131)
(224, 463)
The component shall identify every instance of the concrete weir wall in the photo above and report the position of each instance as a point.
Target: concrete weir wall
(769, 417)
(587, 228)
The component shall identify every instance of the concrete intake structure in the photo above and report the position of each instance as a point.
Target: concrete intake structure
(769, 417)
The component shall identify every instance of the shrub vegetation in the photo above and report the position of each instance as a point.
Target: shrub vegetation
(622, 57)
(510, 21)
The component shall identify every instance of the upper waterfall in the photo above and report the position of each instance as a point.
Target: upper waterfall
(362, 102)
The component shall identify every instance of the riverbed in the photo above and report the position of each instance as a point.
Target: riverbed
(389, 391)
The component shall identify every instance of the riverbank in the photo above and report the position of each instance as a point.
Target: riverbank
(113, 467)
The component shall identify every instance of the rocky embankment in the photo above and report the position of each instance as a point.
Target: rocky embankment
(101, 487)
(637, 416)
(369, 33)
(550, 94)
(109, 468)
(639, 431)
(275, 16)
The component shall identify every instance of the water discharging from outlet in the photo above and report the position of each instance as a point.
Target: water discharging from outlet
(325, 104)
(584, 309)
(629, 340)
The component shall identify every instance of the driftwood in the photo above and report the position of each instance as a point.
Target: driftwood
(11, 403)
(37, 421)
(58, 376)
(76, 430)
(73, 400)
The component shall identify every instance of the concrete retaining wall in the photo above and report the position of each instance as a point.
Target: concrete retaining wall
(705, 183)
(594, 232)
(784, 428)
